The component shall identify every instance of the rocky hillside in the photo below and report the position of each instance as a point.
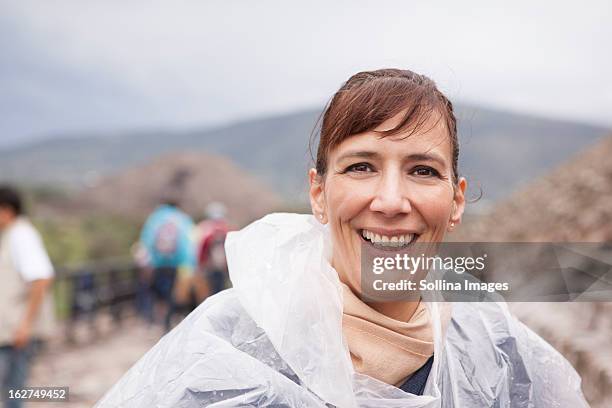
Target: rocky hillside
(573, 204)
(198, 178)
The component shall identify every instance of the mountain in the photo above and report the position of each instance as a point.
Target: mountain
(499, 150)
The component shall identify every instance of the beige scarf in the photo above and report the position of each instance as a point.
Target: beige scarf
(383, 348)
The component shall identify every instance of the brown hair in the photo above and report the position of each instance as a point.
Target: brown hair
(370, 98)
(10, 198)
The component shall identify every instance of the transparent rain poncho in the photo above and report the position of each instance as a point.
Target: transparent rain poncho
(275, 339)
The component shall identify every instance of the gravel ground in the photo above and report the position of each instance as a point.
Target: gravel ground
(97, 360)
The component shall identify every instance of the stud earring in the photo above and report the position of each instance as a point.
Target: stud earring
(452, 224)
(321, 216)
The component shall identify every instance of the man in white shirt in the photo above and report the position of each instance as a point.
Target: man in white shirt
(26, 273)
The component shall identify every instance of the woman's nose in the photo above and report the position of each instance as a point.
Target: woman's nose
(390, 197)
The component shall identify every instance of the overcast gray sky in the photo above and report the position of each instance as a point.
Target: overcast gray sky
(94, 66)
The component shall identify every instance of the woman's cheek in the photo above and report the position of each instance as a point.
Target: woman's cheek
(347, 199)
(434, 203)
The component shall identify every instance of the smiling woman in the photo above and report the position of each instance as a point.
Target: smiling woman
(294, 332)
(386, 168)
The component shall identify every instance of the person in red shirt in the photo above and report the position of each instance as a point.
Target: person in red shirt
(211, 233)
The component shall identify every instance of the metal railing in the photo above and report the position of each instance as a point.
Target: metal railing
(82, 292)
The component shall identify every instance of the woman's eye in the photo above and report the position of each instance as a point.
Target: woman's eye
(359, 168)
(425, 171)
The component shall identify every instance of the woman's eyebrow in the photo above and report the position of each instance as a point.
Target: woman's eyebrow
(362, 154)
(426, 157)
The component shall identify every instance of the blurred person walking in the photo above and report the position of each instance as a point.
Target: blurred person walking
(26, 312)
(212, 264)
(167, 237)
(144, 290)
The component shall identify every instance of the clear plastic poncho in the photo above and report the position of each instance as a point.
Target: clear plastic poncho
(275, 339)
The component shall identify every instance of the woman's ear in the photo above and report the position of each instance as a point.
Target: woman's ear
(458, 202)
(317, 196)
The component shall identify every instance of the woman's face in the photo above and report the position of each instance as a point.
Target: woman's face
(389, 191)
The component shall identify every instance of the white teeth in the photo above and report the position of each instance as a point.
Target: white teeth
(388, 241)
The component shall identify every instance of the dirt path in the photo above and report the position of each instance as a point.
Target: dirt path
(93, 366)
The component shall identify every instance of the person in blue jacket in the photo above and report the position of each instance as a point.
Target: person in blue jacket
(167, 238)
